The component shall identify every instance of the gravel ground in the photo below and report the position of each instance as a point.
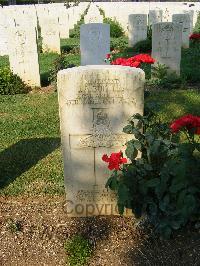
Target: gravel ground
(33, 232)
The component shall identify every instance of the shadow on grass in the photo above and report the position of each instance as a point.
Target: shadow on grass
(21, 156)
(173, 104)
(44, 77)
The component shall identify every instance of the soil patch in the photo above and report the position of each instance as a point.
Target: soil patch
(33, 232)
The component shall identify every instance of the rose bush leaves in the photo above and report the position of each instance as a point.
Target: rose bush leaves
(163, 183)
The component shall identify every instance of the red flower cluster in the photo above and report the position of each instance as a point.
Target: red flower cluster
(195, 36)
(114, 160)
(144, 58)
(108, 56)
(134, 61)
(187, 121)
(125, 62)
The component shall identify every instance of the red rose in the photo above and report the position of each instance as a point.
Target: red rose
(144, 58)
(118, 61)
(188, 121)
(197, 132)
(135, 64)
(114, 160)
(125, 62)
(195, 36)
(134, 61)
(108, 56)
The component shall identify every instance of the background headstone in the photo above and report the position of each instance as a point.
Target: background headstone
(94, 43)
(50, 34)
(191, 15)
(95, 103)
(23, 53)
(166, 44)
(93, 15)
(3, 34)
(155, 16)
(137, 28)
(184, 21)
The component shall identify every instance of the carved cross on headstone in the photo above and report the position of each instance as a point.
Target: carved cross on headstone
(101, 136)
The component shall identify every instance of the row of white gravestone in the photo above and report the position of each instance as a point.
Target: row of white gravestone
(55, 24)
(138, 28)
(94, 43)
(21, 40)
(157, 12)
(55, 21)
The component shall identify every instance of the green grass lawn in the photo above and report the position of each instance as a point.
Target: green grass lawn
(30, 153)
(47, 61)
(4, 61)
(30, 156)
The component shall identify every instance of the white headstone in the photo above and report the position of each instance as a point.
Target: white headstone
(71, 18)
(166, 44)
(3, 34)
(93, 15)
(184, 21)
(23, 54)
(94, 43)
(137, 28)
(155, 16)
(50, 34)
(95, 103)
(63, 22)
(191, 13)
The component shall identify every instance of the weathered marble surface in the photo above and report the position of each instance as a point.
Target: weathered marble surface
(94, 43)
(185, 22)
(95, 103)
(166, 44)
(137, 28)
(93, 15)
(23, 51)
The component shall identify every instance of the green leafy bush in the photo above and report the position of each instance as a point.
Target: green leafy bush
(102, 12)
(70, 45)
(79, 250)
(149, 32)
(163, 183)
(4, 61)
(118, 43)
(143, 46)
(190, 61)
(62, 62)
(11, 83)
(116, 29)
(75, 32)
(197, 25)
(4, 2)
(163, 79)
